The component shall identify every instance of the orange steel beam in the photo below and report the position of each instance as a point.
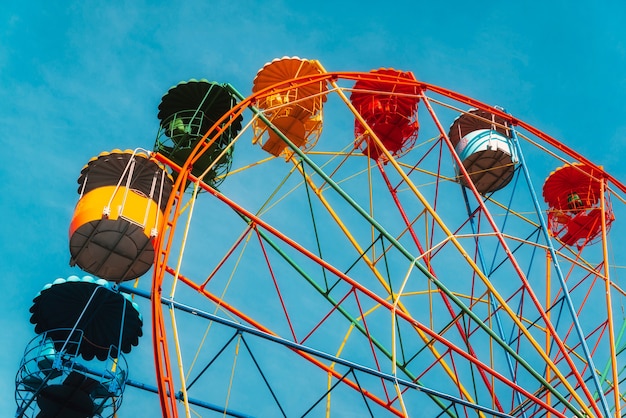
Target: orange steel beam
(163, 369)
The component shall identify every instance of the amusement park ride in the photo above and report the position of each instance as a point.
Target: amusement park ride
(316, 249)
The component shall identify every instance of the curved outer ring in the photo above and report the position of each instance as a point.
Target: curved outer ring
(167, 392)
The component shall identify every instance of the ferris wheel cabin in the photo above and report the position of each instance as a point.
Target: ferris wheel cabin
(483, 143)
(74, 367)
(122, 198)
(295, 112)
(187, 113)
(389, 108)
(575, 198)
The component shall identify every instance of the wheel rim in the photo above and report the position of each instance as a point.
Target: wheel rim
(518, 335)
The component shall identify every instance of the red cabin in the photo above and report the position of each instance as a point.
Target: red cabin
(389, 107)
(572, 193)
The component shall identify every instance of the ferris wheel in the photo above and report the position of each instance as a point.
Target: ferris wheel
(365, 244)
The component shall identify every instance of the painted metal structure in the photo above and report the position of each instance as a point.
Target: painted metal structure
(391, 284)
(380, 266)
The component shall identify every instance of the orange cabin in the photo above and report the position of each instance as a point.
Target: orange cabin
(296, 112)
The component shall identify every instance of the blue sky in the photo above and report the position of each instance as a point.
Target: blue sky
(78, 78)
